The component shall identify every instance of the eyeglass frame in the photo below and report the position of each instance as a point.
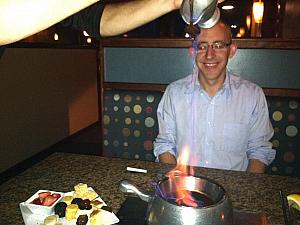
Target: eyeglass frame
(212, 45)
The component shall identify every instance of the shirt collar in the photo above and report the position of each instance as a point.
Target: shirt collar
(193, 84)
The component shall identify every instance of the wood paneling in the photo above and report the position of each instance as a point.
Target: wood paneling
(186, 43)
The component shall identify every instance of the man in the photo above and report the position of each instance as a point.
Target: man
(222, 118)
(20, 19)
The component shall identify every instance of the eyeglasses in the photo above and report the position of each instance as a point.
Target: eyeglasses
(216, 46)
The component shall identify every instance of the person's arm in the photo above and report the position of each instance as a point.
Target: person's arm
(20, 19)
(167, 157)
(256, 166)
(165, 142)
(119, 18)
(260, 152)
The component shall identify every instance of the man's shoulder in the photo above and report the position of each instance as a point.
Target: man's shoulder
(180, 84)
(242, 84)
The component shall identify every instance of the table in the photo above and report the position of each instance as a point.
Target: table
(62, 171)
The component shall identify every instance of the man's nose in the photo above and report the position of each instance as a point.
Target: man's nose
(210, 52)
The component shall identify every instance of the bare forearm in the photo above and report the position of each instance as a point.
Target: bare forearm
(122, 17)
(167, 157)
(256, 166)
(20, 19)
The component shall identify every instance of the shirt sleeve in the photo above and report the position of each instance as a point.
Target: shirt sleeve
(87, 20)
(261, 131)
(165, 140)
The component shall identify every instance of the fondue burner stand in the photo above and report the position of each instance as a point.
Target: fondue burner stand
(133, 211)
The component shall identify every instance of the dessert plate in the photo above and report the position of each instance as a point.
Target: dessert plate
(31, 218)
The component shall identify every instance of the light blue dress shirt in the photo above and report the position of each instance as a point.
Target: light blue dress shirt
(223, 131)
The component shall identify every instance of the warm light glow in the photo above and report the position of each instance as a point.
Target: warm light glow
(227, 7)
(242, 31)
(258, 11)
(89, 40)
(85, 33)
(186, 35)
(55, 36)
(248, 22)
(233, 26)
(183, 196)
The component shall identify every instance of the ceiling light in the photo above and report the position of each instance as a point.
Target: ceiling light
(258, 11)
(227, 7)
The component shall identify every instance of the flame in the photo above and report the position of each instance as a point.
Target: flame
(182, 195)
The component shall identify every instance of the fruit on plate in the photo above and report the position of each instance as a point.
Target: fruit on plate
(71, 211)
(46, 198)
(294, 201)
(60, 209)
(51, 220)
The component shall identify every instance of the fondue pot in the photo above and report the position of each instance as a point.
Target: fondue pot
(213, 205)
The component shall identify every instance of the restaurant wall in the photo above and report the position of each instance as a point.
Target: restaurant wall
(45, 96)
(269, 68)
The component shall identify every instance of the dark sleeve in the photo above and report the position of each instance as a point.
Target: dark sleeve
(87, 19)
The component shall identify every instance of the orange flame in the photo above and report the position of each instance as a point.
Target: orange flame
(183, 196)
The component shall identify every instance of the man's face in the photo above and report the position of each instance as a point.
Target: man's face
(212, 62)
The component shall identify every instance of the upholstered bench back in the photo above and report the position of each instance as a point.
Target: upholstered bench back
(130, 127)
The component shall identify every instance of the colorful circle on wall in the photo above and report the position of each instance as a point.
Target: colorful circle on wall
(138, 98)
(136, 156)
(126, 155)
(137, 121)
(149, 109)
(277, 116)
(127, 98)
(275, 143)
(149, 122)
(125, 144)
(137, 109)
(126, 109)
(106, 119)
(105, 142)
(105, 109)
(278, 104)
(274, 169)
(148, 145)
(127, 120)
(116, 120)
(289, 156)
(116, 97)
(150, 98)
(291, 117)
(293, 104)
(105, 131)
(116, 143)
(126, 132)
(137, 133)
(291, 131)
(116, 108)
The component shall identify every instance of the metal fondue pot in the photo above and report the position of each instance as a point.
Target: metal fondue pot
(205, 13)
(162, 211)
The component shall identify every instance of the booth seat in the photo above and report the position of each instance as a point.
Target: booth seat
(130, 127)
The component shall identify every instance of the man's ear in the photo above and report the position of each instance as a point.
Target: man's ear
(192, 52)
(233, 48)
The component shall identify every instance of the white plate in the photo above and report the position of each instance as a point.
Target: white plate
(35, 219)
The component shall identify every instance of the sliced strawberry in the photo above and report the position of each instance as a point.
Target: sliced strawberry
(49, 200)
(43, 195)
(56, 195)
(36, 201)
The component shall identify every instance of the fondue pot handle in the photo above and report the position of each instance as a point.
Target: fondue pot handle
(127, 187)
